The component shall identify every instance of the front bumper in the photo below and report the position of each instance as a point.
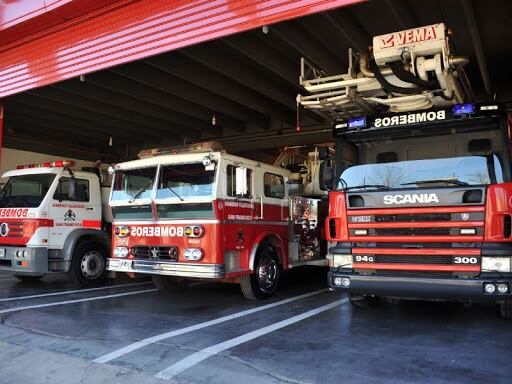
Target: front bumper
(155, 267)
(35, 263)
(413, 287)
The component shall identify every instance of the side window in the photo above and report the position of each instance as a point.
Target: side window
(273, 185)
(81, 191)
(239, 181)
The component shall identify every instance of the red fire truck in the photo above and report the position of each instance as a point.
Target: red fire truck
(199, 213)
(421, 190)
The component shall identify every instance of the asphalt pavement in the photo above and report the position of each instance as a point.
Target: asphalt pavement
(128, 332)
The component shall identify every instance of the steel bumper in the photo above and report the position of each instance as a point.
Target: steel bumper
(205, 271)
(33, 261)
(413, 287)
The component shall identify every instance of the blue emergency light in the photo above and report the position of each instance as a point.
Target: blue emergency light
(357, 122)
(463, 109)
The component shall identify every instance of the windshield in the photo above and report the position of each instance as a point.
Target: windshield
(25, 190)
(182, 182)
(458, 171)
(133, 184)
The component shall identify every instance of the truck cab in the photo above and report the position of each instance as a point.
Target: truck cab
(424, 210)
(52, 220)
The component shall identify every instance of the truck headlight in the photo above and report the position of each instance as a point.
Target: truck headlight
(193, 254)
(496, 264)
(120, 252)
(343, 261)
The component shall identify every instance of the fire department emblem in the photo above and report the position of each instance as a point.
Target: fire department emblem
(69, 215)
(4, 229)
(154, 253)
(464, 216)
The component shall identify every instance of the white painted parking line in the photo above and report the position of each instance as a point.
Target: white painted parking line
(15, 309)
(154, 339)
(73, 291)
(204, 354)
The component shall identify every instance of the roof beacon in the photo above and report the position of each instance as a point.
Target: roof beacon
(205, 146)
(53, 164)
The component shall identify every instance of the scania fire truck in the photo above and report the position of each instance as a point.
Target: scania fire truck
(197, 212)
(52, 220)
(421, 190)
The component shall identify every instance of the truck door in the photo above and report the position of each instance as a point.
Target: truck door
(69, 212)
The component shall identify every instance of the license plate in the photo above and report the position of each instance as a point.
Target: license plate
(125, 265)
(2, 253)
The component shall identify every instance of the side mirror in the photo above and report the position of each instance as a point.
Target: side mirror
(241, 181)
(323, 153)
(327, 170)
(72, 188)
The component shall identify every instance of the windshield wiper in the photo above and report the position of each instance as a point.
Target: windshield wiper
(376, 186)
(175, 193)
(138, 193)
(434, 181)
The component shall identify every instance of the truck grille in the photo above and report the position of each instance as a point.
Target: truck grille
(168, 253)
(414, 259)
(413, 217)
(417, 241)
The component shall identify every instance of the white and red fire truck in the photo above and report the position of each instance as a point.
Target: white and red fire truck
(421, 190)
(52, 220)
(200, 213)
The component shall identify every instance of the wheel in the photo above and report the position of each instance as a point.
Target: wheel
(506, 309)
(364, 302)
(88, 264)
(170, 284)
(28, 278)
(263, 282)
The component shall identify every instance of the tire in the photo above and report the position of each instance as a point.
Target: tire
(364, 302)
(263, 282)
(506, 309)
(28, 278)
(170, 284)
(88, 264)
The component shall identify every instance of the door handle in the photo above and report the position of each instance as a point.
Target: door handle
(89, 208)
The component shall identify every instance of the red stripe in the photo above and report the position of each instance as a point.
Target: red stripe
(91, 223)
(412, 239)
(416, 251)
(417, 267)
(398, 211)
(420, 224)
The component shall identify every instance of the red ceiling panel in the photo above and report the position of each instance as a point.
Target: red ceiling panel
(131, 30)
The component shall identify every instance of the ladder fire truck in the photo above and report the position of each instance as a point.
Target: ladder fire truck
(52, 220)
(421, 194)
(197, 212)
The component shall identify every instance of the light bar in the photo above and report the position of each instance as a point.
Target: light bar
(357, 122)
(463, 109)
(47, 164)
(206, 146)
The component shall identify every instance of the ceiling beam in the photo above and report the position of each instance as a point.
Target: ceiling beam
(153, 77)
(219, 59)
(308, 46)
(402, 14)
(52, 106)
(108, 97)
(125, 86)
(254, 48)
(53, 120)
(149, 123)
(188, 70)
(474, 31)
(348, 30)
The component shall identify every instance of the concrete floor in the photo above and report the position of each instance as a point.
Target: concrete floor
(79, 336)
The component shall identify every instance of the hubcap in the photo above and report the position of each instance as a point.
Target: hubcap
(92, 265)
(267, 274)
